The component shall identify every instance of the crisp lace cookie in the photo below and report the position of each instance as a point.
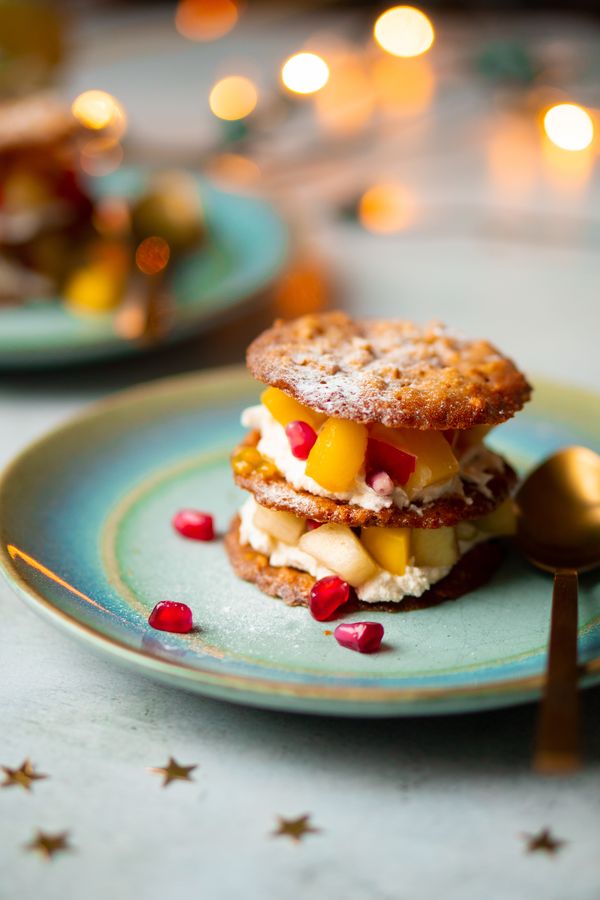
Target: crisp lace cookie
(293, 587)
(388, 371)
(275, 492)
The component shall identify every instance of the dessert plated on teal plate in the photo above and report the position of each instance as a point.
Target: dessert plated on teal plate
(86, 538)
(244, 249)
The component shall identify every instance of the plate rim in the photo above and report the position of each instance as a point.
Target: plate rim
(245, 688)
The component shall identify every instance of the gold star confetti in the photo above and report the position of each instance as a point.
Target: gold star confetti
(49, 844)
(295, 829)
(24, 776)
(173, 772)
(544, 841)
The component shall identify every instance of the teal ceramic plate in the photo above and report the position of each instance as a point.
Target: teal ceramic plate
(85, 538)
(246, 249)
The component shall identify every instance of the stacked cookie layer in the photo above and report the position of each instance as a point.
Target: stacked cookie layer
(365, 459)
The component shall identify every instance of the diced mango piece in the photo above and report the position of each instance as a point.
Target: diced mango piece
(338, 454)
(338, 548)
(435, 460)
(94, 288)
(285, 409)
(434, 546)
(389, 547)
(280, 524)
(502, 521)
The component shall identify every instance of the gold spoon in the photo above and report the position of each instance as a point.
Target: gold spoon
(558, 530)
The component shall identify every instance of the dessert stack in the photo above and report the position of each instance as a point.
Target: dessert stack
(366, 462)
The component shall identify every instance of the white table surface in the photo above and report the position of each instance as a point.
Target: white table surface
(408, 808)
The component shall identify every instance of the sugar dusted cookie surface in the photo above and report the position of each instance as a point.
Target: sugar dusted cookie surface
(388, 371)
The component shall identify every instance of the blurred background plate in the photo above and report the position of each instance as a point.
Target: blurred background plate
(246, 249)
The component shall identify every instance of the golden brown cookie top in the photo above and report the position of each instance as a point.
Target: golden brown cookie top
(388, 371)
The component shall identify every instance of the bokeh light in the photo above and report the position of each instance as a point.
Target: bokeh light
(513, 154)
(387, 208)
(305, 73)
(403, 86)
(344, 106)
(233, 98)
(233, 168)
(205, 20)
(152, 255)
(569, 126)
(111, 216)
(98, 111)
(404, 31)
(100, 157)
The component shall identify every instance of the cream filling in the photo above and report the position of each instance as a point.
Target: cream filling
(382, 587)
(275, 445)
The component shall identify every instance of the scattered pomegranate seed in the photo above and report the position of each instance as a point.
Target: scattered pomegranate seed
(327, 595)
(193, 524)
(301, 437)
(364, 637)
(171, 616)
(381, 483)
(311, 524)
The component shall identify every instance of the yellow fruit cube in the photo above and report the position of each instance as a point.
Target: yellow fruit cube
(285, 409)
(389, 547)
(338, 548)
(502, 521)
(466, 531)
(435, 460)
(434, 546)
(94, 288)
(338, 454)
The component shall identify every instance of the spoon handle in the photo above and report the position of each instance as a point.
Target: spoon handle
(557, 748)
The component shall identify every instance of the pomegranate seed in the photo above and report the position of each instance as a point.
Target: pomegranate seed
(193, 524)
(364, 637)
(311, 524)
(171, 616)
(301, 437)
(327, 595)
(381, 483)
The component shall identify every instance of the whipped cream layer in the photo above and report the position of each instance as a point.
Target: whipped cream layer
(383, 587)
(477, 467)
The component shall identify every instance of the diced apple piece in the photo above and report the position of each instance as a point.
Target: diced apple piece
(337, 455)
(466, 531)
(338, 548)
(384, 457)
(284, 526)
(434, 546)
(469, 437)
(502, 521)
(435, 460)
(389, 547)
(285, 409)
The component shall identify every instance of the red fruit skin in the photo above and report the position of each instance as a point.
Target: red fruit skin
(168, 615)
(311, 524)
(384, 457)
(326, 597)
(301, 437)
(193, 524)
(364, 637)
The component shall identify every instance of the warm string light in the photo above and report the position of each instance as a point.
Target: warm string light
(100, 111)
(387, 208)
(404, 31)
(569, 127)
(233, 98)
(305, 73)
(403, 86)
(205, 20)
